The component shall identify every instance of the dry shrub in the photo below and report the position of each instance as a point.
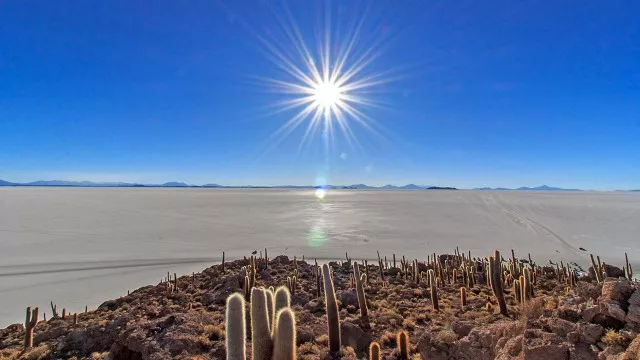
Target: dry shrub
(532, 309)
(214, 332)
(323, 340)
(347, 353)
(446, 336)
(41, 352)
(388, 339)
(612, 337)
(409, 324)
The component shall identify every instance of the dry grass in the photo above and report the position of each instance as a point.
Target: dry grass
(532, 309)
(41, 352)
(612, 337)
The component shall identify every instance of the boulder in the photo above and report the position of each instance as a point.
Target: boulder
(612, 271)
(557, 326)
(633, 315)
(540, 345)
(352, 335)
(613, 309)
(348, 297)
(582, 352)
(616, 290)
(461, 328)
(590, 333)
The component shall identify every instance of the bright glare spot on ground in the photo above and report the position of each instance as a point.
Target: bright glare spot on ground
(320, 193)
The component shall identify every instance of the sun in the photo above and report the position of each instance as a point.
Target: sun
(329, 86)
(320, 194)
(327, 95)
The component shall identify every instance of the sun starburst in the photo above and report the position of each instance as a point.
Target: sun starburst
(329, 89)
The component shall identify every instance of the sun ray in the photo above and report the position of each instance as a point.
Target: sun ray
(330, 89)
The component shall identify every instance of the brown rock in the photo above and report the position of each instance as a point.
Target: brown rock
(582, 352)
(558, 326)
(589, 313)
(590, 333)
(633, 350)
(616, 290)
(430, 348)
(461, 328)
(633, 315)
(348, 297)
(539, 345)
(313, 305)
(635, 298)
(613, 309)
(352, 335)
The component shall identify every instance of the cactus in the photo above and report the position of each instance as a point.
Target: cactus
(434, 289)
(75, 318)
(29, 324)
(528, 285)
(284, 339)
(64, 313)
(362, 301)
(247, 289)
(54, 309)
(283, 298)
(374, 351)
(403, 345)
(333, 315)
(262, 345)
(270, 307)
(517, 291)
(628, 272)
(463, 296)
(495, 269)
(235, 328)
(318, 281)
(223, 262)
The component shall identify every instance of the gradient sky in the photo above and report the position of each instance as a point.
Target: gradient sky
(489, 93)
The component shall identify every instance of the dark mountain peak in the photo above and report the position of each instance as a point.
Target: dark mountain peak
(175, 184)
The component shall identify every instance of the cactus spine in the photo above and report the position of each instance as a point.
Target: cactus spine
(463, 296)
(260, 334)
(284, 339)
(495, 270)
(362, 301)
(403, 345)
(374, 351)
(333, 315)
(30, 323)
(235, 328)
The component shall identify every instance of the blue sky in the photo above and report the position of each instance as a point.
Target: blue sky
(490, 93)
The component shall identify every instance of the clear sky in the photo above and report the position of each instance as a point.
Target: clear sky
(481, 93)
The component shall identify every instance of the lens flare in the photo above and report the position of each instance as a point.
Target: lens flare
(321, 193)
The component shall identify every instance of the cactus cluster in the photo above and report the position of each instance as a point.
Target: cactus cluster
(270, 338)
(362, 301)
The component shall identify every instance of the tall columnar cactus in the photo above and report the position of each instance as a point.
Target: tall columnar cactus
(54, 310)
(283, 298)
(262, 345)
(318, 281)
(433, 289)
(463, 296)
(29, 324)
(236, 328)
(628, 272)
(333, 315)
(515, 272)
(374, 351)
(362, 301)
(247, 288)
(403, 345)
(270, 306)
(222, 262)
(517, 291)
(284, 339)
(527, 283)
(495, 269)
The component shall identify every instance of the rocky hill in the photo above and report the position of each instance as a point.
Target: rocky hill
(442, 308)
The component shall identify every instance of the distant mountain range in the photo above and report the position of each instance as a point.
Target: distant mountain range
(524, 188)
(182, 184)
(176, 184)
